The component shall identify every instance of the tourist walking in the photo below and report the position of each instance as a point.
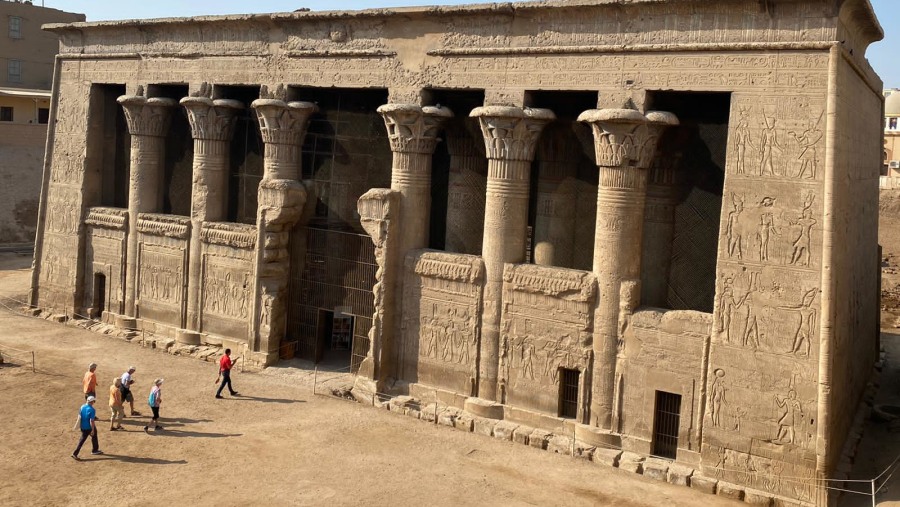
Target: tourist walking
(154, 401)
(225, 365)
(127, 382)
(90, 381)
(87, 424)
(115, 405)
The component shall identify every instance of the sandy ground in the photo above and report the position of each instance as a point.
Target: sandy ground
(279, 444)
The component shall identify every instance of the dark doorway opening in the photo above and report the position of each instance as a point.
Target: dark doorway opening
(683, 261)
(458, 176)
(99, 302)
(666, 421)
(568, 393)
(334, 338)
(108, 143)
(246, 156)
(179, 153)
(563, 189)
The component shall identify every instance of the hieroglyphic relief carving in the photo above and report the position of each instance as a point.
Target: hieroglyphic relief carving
(777, 137)
(107, 218)
(227, 288)
(229, 234)
(805, 223)
(170, 226)
(733, 232)
(161, 275)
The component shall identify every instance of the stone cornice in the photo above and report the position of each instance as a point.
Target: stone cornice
(170, 226)
(107, 218)
(241, 236)
(562, 283)
(455, 267)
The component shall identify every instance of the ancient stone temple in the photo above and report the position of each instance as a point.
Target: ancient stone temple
(648, 224)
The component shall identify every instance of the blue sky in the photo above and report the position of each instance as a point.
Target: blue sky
(882, 55)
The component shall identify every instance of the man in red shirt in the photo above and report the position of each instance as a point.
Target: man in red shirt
(225, 365)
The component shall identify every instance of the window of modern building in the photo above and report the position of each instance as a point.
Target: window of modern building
(892, 123)
(15, 27)
(14, 71)
(43, 115)
(6, 113)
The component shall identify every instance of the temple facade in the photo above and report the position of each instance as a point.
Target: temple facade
(651, 225)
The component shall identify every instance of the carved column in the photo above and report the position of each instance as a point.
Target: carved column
(148, 123)
(281, 200)
(465, 190)
(212, 127)
(554, 226)
(624, 142)
(412, 132)
(659, 226)
(510, 135)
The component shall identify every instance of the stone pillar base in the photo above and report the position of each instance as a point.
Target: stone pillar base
(364, 390)
(484, 408)
(187, 337)
(597, 437)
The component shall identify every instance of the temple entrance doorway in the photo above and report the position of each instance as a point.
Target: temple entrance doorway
(99, 302)
(334, 338)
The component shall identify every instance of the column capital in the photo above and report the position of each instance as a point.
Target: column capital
(211, 119)
(413, 128)
(147, 117)
(283, 122)
(511, 133)
(625, 137)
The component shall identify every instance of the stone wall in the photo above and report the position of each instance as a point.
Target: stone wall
(21, 160)
(104, 252)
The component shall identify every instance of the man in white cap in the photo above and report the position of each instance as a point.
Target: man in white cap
(127, 382)
(88, 426)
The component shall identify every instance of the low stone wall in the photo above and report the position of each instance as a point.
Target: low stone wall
(21, 168)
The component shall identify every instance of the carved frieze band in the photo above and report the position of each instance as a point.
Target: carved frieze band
(229, 234)
(107, 218)
(455, 267)
(557, 282)
(164, 225)
(412, 128)
(511, 133)
(632, 48)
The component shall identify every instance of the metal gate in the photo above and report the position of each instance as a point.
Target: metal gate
(568, 393)
(666, 420)
(338, 273)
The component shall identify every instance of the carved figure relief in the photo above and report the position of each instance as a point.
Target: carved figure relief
(161, 275)
(766, 227)
(717, 397)
(807, 315)
(790, 414)
(227, 290)
(733, 231)
(805, 222)
(742, 141)
(807, 140)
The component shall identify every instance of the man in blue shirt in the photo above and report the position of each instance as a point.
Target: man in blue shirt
(87, 418)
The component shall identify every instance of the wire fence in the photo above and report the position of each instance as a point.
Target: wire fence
(339, 382)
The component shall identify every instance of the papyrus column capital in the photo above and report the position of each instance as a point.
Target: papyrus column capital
(625, 137)
(212, 119)
(283, 122)
(412, 128)
(147, 117)
(511, 133)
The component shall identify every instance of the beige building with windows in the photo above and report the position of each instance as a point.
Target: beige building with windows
(648, 226)
(26, 72)
(890, 173)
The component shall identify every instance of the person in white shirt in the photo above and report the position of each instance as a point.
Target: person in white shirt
(127, 382)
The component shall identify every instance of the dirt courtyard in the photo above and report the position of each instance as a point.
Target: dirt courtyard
(278, 444)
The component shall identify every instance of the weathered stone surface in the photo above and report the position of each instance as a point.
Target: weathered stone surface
(609, 457)
(560, 444)
(539, 439)
(704, 484)
(728, 490)
(679, 475)
(485, 426)
(504, 430)
(631, 462)
(754, 497)
(656, 469)
(522, 434)
(464, 422)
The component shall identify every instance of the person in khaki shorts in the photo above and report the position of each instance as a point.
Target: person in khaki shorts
(115, 405)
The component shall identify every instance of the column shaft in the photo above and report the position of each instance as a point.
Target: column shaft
(510, 135)
(148, 123)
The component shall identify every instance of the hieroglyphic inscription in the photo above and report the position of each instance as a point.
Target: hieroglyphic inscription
(161, 275)
(228, 288)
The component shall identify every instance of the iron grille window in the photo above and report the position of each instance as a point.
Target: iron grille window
(15, 27)
(6, 114)
(14, 71)
(568, 393)
(666, 420)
